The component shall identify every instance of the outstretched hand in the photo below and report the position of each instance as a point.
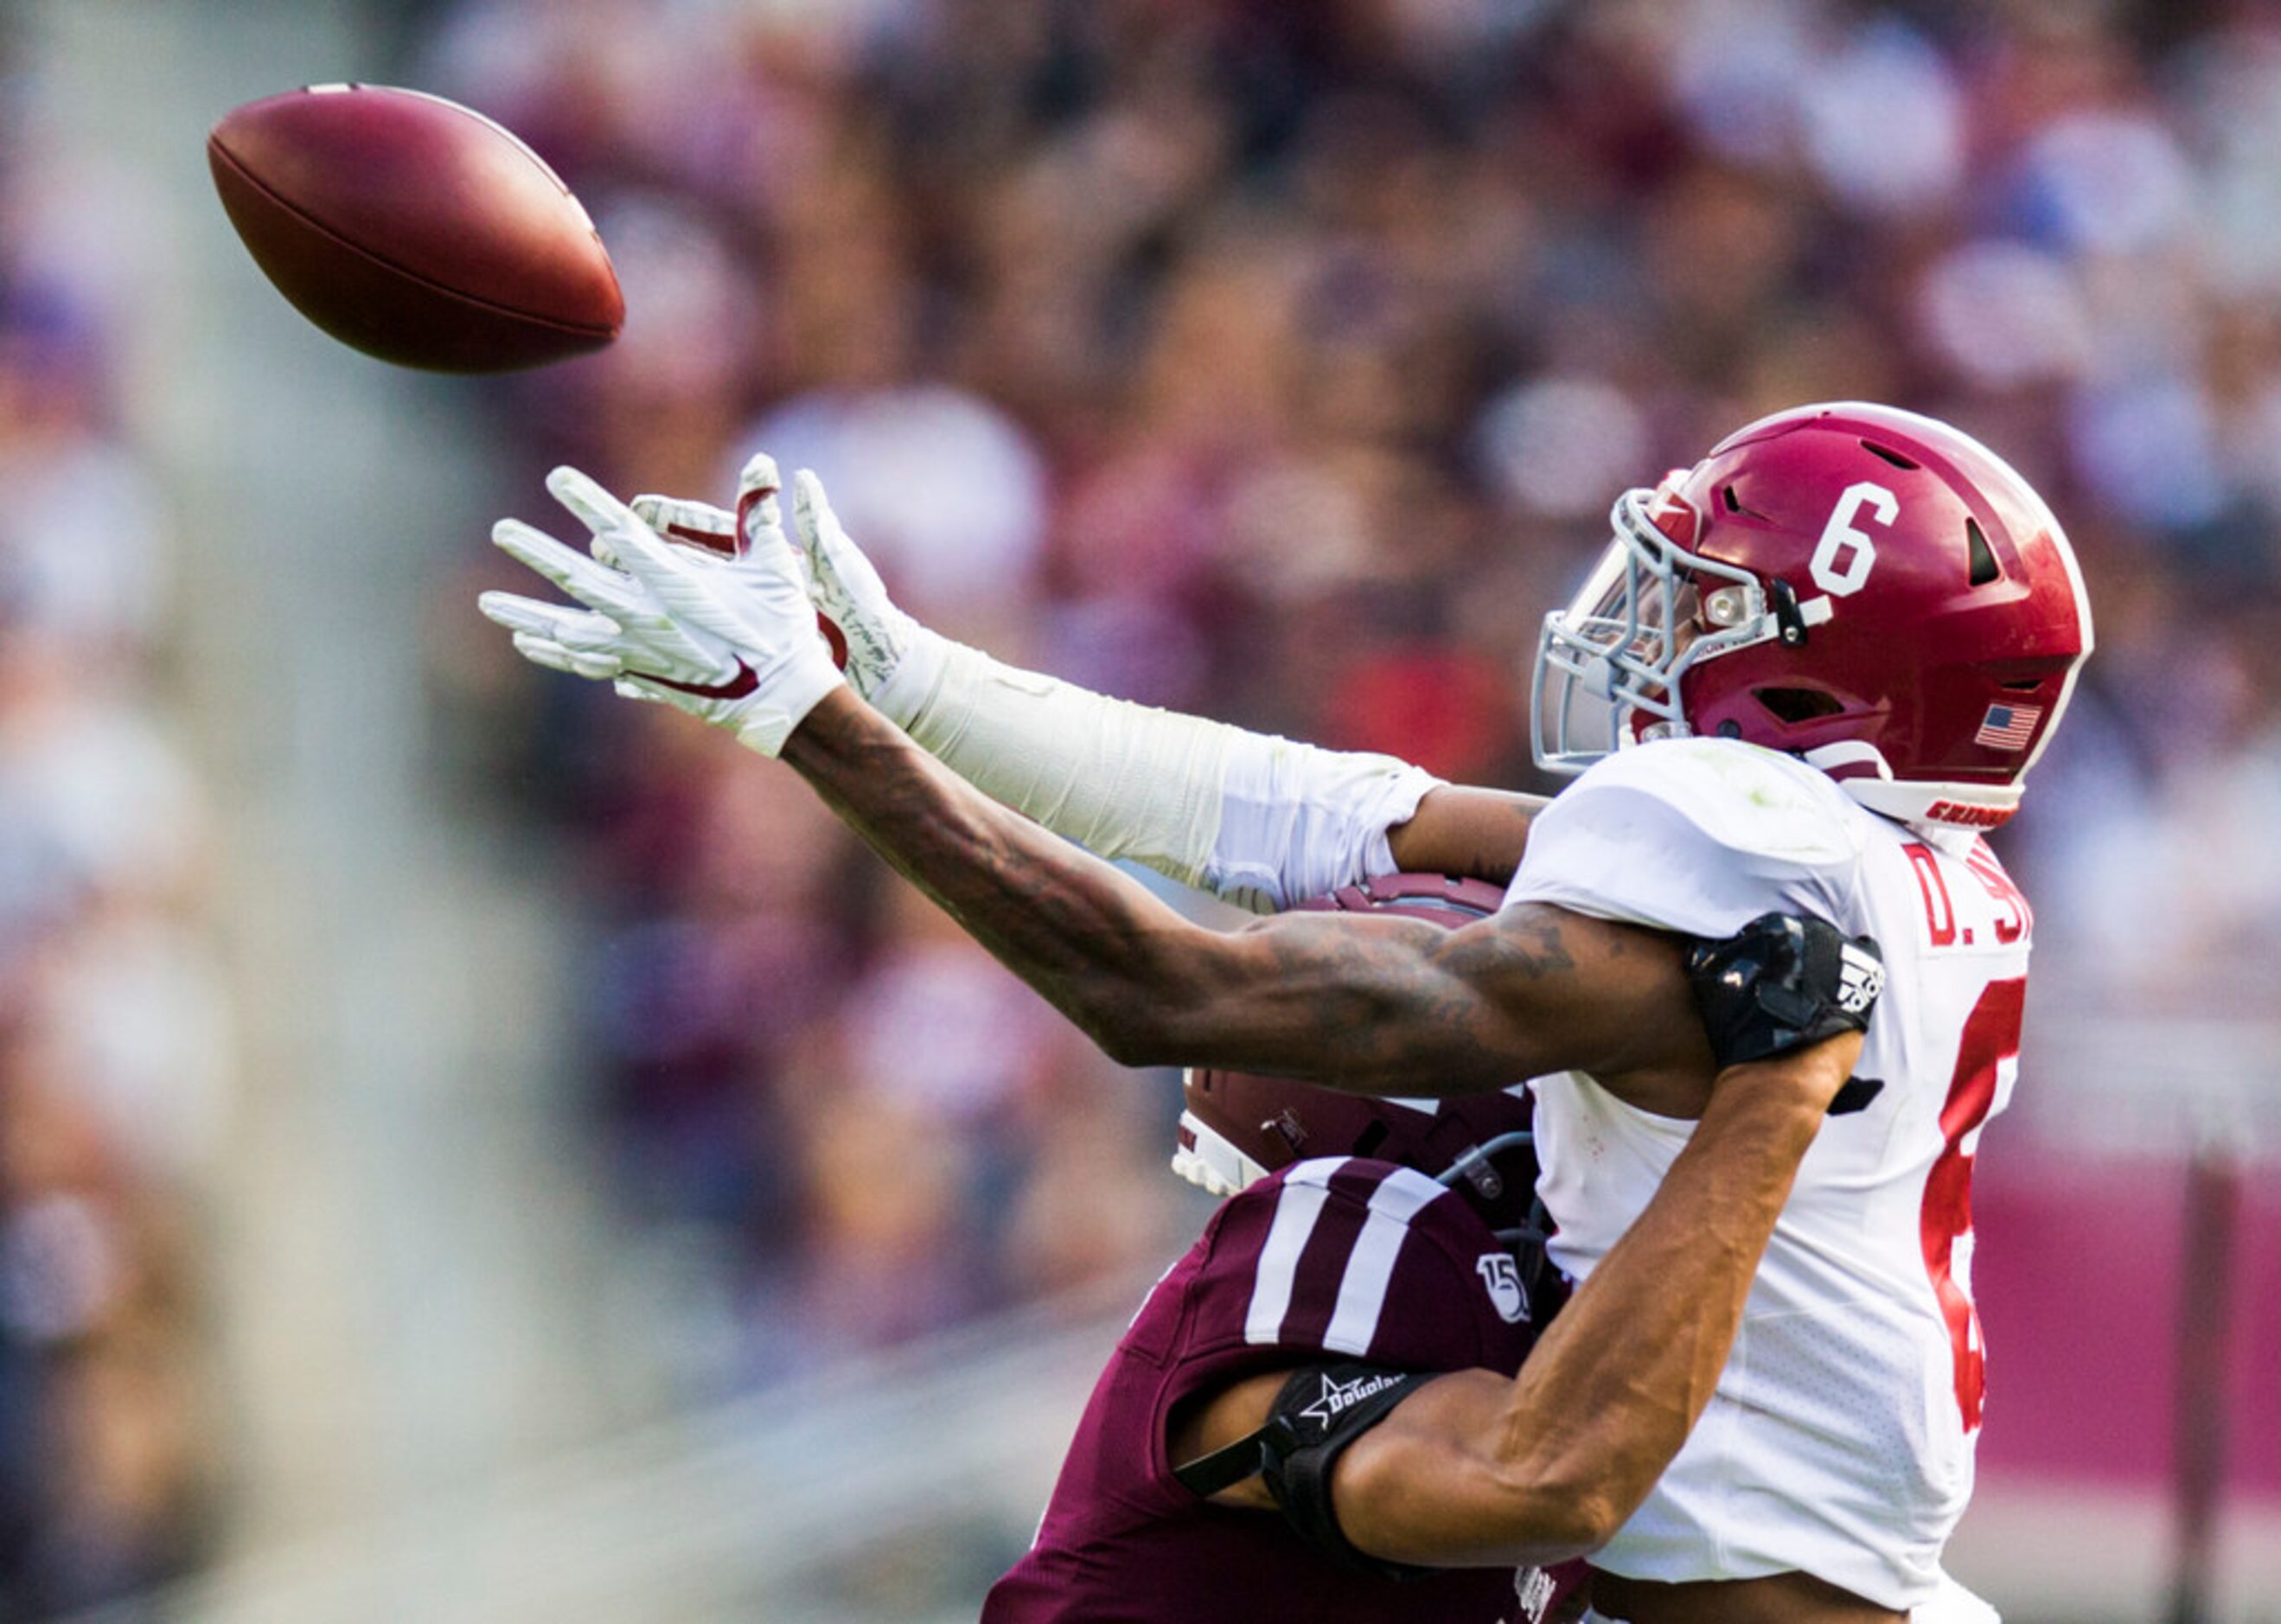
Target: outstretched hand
(890, 659)
(730, 640)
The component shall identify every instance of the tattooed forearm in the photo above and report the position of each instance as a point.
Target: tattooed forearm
(1373, 1003)
(1536, 947)
(1071, 925)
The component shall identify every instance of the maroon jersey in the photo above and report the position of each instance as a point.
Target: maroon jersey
(1338, 1256)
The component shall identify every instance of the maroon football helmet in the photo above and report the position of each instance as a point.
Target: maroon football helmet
(1873, 591)
(1237, 1127)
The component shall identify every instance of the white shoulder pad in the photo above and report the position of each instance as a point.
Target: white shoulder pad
(1698, 836)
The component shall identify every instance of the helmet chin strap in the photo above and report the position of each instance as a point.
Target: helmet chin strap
(1862, 772)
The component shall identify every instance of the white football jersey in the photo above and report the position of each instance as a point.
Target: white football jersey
(1839, 1441)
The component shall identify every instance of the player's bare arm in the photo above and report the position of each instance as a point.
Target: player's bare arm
(1473, 1469)
(1466, 830)
(1370, 1004)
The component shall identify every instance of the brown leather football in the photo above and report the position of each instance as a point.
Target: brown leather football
(414, 229)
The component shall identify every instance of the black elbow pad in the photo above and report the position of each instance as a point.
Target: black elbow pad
(1781, 983)
(1321, 1409)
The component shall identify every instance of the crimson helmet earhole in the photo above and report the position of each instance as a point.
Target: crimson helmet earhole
(1371, 1138)
(1796, 705)
(1984, 567)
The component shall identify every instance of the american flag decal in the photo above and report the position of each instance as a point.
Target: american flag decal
(2008, 727)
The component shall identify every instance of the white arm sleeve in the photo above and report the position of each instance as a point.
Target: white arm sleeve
(1259, 820)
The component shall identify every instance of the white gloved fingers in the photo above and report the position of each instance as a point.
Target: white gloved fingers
(836, 563)
(702, 527)
(821, 574)
(558, 623)
(811, 518)
(757, 509)
(811, 511)
(759, 521)
(590, 503)
(538, 651)
(695, 525)
(596, 668)
(515, 613)
(596, 585)
(893, 661)
(589, 632)
(606, 518)
(689, 587)
(649, 558)
(595, 644)
(555, 657)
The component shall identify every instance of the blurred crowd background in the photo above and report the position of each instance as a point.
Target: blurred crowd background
(1276, 360)
(114, 1033)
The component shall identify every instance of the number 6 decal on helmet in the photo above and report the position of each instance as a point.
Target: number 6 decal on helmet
(1840, 532)
(1962, 596)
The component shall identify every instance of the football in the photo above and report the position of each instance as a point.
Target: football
(414, 229)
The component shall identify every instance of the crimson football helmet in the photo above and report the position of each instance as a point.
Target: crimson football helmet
(1873, 591)
(1237, 1127)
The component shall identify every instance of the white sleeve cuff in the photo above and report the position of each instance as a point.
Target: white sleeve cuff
(1260, 821)
(1297, 821)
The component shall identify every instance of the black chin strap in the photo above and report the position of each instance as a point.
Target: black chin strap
(1789, 619)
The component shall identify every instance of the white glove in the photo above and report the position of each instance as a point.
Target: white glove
(692, 524)
(892, 661)
(733, 642)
